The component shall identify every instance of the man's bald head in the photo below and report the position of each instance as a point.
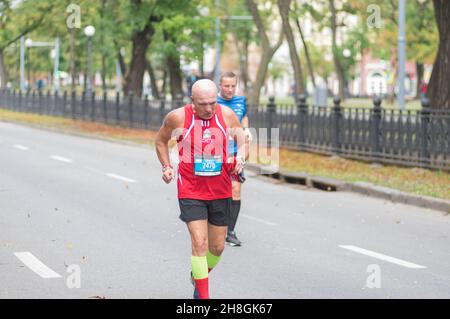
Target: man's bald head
(202, 87)
(204, 98)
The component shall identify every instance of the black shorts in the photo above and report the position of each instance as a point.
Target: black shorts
(216, 211)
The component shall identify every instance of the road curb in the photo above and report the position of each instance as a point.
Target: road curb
(367, 189)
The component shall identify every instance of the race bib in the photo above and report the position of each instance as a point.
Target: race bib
(207, 165)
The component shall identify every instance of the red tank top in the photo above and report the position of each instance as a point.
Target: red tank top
(203, 170)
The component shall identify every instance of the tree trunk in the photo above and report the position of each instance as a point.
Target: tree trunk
(308, 57)
(337, 62)
(122, 65)
(419, 70)
(135, 75)
(439, 87)
(393, 81)
(134, 78)
(267, 53)
(176, 81)
(175, 74)
(164, 84)
(201, 58)
(151, 72)
(85, 81)
(3, 72)
(283, 6)
(103, 72)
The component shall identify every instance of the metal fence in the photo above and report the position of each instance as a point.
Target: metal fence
(405, 137)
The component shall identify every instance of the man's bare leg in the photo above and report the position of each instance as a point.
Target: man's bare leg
(199, 237)
(216, 244)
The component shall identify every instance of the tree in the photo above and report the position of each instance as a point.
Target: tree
(422, 36)
(243, 35)
(439, 87)
(5, 10)
(284, 8)
(181, 37)
(336, 51)
(309, 64)
(18, 22)
(322, 67)
(267, 52)
(276, 71)
(145, 17)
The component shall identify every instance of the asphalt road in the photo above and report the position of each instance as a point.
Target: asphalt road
(84, 218)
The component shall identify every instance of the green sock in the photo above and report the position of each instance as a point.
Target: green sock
(199, 267)
(212, 260)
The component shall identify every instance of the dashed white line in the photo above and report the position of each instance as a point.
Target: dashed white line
(61, 159)
(36, 265)
(21, 147)
(373, 254)
(124, 179)
(258, 220)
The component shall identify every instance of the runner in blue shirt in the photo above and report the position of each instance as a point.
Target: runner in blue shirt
(227, 97)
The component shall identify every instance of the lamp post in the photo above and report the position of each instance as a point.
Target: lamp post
(347, 53)
(28, 44)
(56, 66)
(89, 31)
(22, 63)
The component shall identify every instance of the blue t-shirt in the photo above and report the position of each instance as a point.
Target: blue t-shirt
(239, 106)
(237, 103)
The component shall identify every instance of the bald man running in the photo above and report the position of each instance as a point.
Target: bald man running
(202, 130)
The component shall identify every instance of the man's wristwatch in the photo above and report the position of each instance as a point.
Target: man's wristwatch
(166, 167)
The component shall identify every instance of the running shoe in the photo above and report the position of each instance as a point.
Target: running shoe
(232, 240)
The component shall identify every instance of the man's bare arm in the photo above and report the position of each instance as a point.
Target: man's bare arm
(172, 124)
(236, 131)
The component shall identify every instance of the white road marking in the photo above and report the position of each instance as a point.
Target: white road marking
(61, 159)
(373, 254)
(21, 147)
(258, 220)
(125, 179)
(36, 265)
